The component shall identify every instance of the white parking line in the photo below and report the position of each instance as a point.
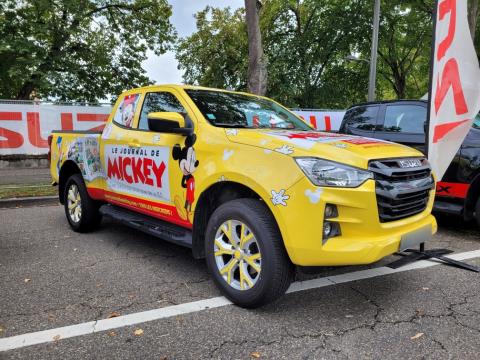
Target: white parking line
(40, 337)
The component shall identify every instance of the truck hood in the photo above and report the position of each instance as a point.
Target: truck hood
(345, 149)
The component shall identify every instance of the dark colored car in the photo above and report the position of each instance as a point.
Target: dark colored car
(404, 121)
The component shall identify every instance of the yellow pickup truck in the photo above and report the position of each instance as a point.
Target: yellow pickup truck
(244, 183)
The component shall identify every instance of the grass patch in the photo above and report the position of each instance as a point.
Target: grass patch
(17, 191)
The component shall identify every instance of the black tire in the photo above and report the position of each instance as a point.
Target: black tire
(90, 216)
(276, 272)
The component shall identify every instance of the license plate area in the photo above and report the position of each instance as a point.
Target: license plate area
(415, 238)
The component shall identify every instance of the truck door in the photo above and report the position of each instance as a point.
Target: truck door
(404, 124)
(168, 161)
(116, 149)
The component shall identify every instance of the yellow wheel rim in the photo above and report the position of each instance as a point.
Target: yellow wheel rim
(237, 255)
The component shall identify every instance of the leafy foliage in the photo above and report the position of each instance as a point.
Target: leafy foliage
(306, 43)
(81, 50)
(404, 48)
(216, 55)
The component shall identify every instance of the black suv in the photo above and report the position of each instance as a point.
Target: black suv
(404, 121)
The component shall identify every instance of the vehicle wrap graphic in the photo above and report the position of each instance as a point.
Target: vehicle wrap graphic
(306, 139)
(187, 163)
(85, 152)
(138, 171)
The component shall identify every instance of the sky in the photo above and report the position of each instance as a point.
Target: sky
(163, 69)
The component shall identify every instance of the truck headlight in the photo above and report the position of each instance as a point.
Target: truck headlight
(328, 173)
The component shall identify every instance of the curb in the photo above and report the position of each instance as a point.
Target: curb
(28, 201)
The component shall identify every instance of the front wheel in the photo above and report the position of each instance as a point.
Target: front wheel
(81, 210)
(245, 253)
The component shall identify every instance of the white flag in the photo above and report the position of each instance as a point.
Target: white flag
(455, 87)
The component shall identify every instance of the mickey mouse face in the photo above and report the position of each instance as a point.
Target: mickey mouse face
(186, 157)
(190, 163)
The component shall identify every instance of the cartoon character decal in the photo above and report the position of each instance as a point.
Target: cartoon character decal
(280, 197)
(126, 110)
(60, 152)
(188, 164)
(85, 153)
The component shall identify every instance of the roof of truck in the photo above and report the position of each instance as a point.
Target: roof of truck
(389, 102)
(187, 87)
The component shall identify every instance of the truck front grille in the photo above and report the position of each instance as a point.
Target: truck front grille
(402, 187)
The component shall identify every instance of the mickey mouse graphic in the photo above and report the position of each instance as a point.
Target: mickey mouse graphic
(188, 164)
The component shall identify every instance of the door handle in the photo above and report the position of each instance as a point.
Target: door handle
(134, 144)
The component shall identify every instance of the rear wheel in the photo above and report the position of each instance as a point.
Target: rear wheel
(81, 210)
(245, 253)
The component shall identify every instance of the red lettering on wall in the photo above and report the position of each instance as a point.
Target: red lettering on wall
(447, 6)
(67, 121)
(34, 136)
(451, 78)
(313, 121)
(92, 117)
(13, 139)
(328, 123)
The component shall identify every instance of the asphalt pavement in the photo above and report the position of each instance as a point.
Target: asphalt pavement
(51, 277)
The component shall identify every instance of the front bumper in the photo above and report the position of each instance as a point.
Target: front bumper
(363, 240)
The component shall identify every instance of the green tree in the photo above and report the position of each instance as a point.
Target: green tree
(306, 43)
(82, 50)
(302, 48)
(216, 55)
(404, 48)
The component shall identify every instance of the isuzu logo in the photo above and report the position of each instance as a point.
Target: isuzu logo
(409, 163)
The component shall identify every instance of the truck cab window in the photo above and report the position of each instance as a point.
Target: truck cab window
(405, 119)
(158, 102)
(363, 118)
(126, 110)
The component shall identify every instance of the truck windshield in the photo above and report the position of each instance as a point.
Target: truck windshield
(233, 110)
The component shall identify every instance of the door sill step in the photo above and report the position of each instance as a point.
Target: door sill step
(155, 227)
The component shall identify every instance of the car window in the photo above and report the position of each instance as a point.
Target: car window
(362, 118)
(405, 119)
(126, 110)
(158, 102)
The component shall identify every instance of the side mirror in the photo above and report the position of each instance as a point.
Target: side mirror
(168, 122)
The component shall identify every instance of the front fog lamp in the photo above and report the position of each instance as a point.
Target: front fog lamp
(330, 211)
(330, 229)
(327, 229)
(328, 173)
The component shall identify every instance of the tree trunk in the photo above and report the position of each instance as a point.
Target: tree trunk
(472, 17)
(257, 70)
